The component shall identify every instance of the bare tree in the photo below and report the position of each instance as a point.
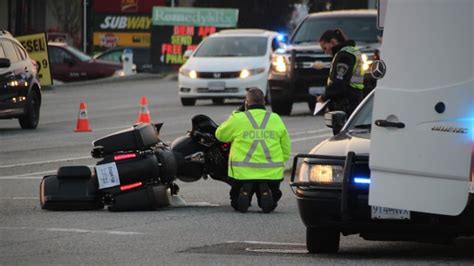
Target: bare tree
(69, 17)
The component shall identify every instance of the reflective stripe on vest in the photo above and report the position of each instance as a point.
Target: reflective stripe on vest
(246, 162)
(357, 79)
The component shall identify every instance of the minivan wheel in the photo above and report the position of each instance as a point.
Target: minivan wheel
(188, 101)
(322, 240)
(30, 119)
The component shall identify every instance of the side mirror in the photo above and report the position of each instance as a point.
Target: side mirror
(188, 53)
(335, 120)
(5, 63)
(69, 61)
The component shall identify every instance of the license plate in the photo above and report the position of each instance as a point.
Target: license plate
(216, 86)
(316, 90)
(384, 213)
(107, 175)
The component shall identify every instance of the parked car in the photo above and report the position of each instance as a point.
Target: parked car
(302, 64)
(70, 64)
(141, 57)
(332, 192)
(20, 90)
(226, 64)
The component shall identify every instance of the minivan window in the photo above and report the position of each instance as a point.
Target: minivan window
(359, 29)
(21, 52)
(2, 54)
(232, 46)
(10, 51)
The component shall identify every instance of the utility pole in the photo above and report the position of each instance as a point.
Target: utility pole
(84, 26)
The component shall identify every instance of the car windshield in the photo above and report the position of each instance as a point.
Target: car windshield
(363, 118)
(359, 29)
(82, 56)
(232, 46)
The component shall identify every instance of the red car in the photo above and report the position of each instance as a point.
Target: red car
(70, 64)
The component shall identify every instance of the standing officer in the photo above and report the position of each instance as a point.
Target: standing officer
(345, 83)
(260, 145)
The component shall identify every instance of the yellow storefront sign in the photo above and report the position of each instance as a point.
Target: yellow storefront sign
(112, 39)
(37, 47)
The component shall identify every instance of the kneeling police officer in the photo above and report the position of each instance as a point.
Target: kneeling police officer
(260, 145)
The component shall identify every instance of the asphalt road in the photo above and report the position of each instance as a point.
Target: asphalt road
(204, 231)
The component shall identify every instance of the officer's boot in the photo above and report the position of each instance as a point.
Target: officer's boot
(266, 201)
(245, 195)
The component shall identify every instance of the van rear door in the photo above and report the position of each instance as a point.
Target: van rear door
(423, 118)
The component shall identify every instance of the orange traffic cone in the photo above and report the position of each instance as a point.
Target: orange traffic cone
(82, 120)
(144, 115)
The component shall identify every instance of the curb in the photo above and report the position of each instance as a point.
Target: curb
(109, 80)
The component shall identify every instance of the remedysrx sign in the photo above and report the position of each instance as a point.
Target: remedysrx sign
(216, 17)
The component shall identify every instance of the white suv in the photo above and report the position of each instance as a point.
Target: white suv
(226, 64)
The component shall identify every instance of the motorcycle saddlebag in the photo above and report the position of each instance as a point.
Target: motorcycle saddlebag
(72, 188)
(145, 198)
(139, 137)
(116, 171)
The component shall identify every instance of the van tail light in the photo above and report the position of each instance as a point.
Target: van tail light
(124, 156)
(130, 186)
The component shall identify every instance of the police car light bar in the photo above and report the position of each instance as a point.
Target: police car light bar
(361, 180)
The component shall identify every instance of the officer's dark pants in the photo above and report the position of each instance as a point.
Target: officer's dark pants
(274, 186)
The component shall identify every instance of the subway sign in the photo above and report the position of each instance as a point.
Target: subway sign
(107, 22)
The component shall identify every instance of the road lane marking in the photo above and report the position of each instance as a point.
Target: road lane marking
(171, 133)
(308, 132)
(29, 176)
(19, 198)
(312, 137)
(45, 162)
(277, 250)
(266, 243)
(73, 230)
(32, 176)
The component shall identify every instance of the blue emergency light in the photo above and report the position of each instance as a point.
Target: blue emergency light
(281, 37)
(361, 180)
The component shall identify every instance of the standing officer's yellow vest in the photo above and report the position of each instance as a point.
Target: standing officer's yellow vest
(260, 145)
(357, 79)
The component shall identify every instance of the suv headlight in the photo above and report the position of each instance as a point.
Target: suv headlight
(189, 73)
(366, 61)
(280, 63)
(245, 73)
(320, 173)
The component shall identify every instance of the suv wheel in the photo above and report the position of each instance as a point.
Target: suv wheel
(322, 240)
(280, 104)
(31, 118)
(188, 101)
(311, 103)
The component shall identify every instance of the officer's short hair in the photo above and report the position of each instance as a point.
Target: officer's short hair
(255, 96)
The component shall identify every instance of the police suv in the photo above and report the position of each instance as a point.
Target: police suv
(302, 66)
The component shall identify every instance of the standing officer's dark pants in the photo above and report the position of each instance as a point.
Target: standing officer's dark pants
(255, 186)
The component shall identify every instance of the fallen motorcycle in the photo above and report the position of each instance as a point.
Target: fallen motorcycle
(137, 170)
